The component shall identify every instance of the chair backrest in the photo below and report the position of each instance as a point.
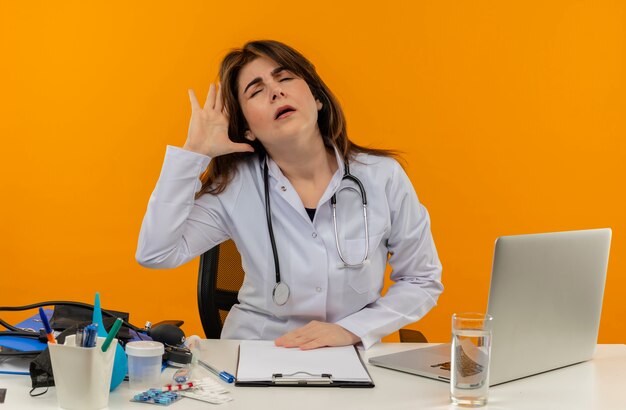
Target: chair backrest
(412, 336)
(220, 277)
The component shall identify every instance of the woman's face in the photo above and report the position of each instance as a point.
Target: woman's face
(278, 106)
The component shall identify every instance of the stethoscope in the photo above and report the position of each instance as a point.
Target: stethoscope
(280, 293)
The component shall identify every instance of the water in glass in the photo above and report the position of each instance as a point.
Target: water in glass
(470, 367)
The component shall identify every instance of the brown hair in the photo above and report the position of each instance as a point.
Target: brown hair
(330, 118)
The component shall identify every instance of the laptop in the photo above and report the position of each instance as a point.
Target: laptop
(545, 298)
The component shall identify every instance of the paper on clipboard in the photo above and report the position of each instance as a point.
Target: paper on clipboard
(259, 361)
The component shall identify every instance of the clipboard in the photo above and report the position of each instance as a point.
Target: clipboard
(262, 364)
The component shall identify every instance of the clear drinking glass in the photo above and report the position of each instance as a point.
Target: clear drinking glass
(471, 353)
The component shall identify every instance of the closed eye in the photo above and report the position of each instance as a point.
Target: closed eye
(285, 79)
(255, 93)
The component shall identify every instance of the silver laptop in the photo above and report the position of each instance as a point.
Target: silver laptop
(545, 298)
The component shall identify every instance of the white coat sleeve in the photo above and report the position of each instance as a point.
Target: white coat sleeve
(416, 269)
(176, 228)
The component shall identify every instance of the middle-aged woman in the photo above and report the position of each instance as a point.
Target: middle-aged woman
(286, 184)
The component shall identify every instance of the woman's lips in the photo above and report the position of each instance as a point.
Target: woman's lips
(282, 110)
(285, 115)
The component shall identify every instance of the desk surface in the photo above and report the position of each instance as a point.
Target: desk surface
(595, 384)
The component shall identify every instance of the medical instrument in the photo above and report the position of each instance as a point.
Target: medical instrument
(280, 293)
(72, 312)
(333, 200)
(61, 303)
(168, 334)
(181, 375)
(227, 377)
(112, 333)
(177, 356)
(120, 361)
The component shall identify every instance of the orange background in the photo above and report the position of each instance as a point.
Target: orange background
(512, 117)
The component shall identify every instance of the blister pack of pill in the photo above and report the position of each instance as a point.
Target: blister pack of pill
(157, 396)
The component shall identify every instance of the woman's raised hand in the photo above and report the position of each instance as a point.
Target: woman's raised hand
(208, 127)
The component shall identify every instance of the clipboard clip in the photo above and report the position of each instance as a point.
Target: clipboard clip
(302, 378)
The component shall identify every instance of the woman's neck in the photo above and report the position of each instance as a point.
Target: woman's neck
(305, 158)
(309, 168)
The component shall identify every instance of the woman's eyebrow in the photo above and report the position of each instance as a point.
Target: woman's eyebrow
(274, 73)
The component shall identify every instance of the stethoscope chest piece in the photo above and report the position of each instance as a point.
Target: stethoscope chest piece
(280, 294)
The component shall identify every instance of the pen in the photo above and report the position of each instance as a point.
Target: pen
(80, 333)
(46, 324)
(112, 333)
(90, 337)
(227, 377)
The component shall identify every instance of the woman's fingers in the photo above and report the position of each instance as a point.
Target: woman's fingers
(314, 344)
(288, 339)
(210, 98)
(208, 127)
(218, 100)
(317, 334)
(214, 100)
(193, 100)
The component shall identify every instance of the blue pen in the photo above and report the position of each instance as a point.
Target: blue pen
(46, 324)
(91, 335)
(227, 377)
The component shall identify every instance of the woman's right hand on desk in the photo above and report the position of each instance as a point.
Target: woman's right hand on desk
(208, 127)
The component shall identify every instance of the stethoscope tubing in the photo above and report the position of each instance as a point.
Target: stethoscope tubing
(281, 291)
(346, 264)
(268, 215)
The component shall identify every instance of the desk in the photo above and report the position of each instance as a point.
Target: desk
(596, 384)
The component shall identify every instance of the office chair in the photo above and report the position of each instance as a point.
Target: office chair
(412, 336)
(220, 277)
